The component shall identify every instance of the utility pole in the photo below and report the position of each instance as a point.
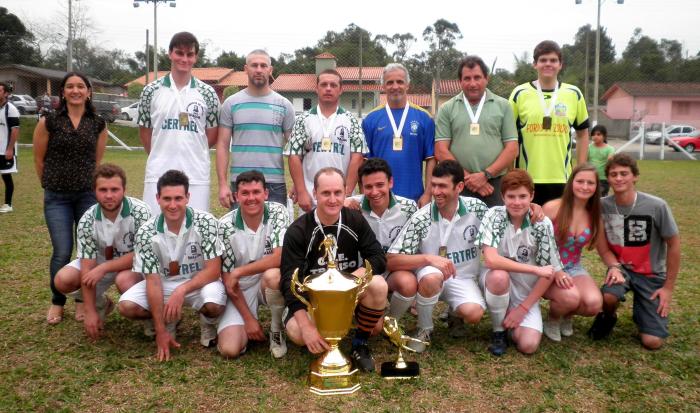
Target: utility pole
(69, 59)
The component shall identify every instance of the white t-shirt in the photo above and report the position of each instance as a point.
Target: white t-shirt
(7, 123)
(388, 226)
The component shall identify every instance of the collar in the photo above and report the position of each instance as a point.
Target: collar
(526, 221)
(532, 85)
(313, 110)
(160, 222)
(125, 211)
(167, 82)
(366, 207)
(238, 217)
(487, 92)
(435, 212)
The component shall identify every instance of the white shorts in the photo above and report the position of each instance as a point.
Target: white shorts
(533, 318)
(458, 291)
(214, 292)
(101, 287)
(253, 295)
(199, 197)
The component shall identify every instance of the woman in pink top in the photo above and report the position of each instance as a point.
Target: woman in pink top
(577, 224)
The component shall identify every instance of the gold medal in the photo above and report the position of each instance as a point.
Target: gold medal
(474, 129)
(109, 253)
(184, 118)
(547, 122)
(174, 268)
(442, 251)
(326, 144)
(398, 143)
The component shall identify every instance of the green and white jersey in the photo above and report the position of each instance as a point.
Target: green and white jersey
(546, 153)
(421, 235)
(242, 245)
(532, 244)
(156, 247)
(346, 137)
(388, 226)
(175, 145)
(95, 232)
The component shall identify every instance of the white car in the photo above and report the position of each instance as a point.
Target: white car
(654, 137)
(130, 112)
(25, 104)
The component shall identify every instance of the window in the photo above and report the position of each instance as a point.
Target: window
(353, 104)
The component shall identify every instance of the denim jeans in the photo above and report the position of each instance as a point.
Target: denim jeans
(62, 211)
(277, 193)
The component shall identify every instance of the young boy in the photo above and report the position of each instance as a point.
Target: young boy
(598, 154)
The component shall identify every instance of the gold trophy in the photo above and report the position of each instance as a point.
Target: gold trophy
(400, 369)
(333, 296)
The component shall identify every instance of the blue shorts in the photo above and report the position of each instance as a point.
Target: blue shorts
(575, 269)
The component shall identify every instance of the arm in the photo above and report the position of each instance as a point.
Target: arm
(251, 325)
(223, 144)
(101, 145)
(581, 146)
(427, 193)
(154, 295)
(413, 262)
(442, 151)
(503, 160)
(494, 261)
(516, 316)
(356, 159)
(210, 273)
(93, 324)
(296, 170)
(91, 277)
(14, 134)
(613, 274)
(673, 260)
(252, 268)
(212, 136)
(145, 136)
(40, 142)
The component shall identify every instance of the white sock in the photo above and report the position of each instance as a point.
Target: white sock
(497, 305)
(275, 301)
(208, 320)
(399, 305)
(424, 307)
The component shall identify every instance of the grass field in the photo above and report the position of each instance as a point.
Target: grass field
(47, 368)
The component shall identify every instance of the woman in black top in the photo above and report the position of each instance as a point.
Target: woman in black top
(68, 145)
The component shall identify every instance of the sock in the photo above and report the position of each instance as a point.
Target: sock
(275, 301)
(497, 305)
(424, 307)
(399, 305)
(366, 319)
(208, 320)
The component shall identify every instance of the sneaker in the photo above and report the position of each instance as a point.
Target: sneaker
(499, 343)
(602, 326)
(552, 329)
(362, 357)
(207, 336)
(456, 327)
(567, 327)
(278, 344)
(419, 346)
(5, 208)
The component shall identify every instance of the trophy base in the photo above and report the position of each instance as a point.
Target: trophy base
(391, 371)
(328, 384)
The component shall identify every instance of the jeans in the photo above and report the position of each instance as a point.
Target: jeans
(62, 211)
(277, 192)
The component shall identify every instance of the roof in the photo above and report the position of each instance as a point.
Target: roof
(687, 89)
(325, 55)
(353, 73)
(307, 83)
(422, 100)
(205, 74)
(449, 87)
(234, 79)
(48, 73)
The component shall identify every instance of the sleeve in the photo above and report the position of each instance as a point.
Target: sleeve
(409, 238)
(508, 129)
(369, 247)
(144, 118)
(296, 145)
(547, 251)
(87, 243)
(513, 103)
(225, 113)
(280, 221)
(228, 257)
(357, 137)
(491, 229)
(288, 121)
(208, 229)
(666, 223)
(212, 101)
(145, 258)
(12, 116)
(443, 128)
(292, 258)
(429, 137)
(368, 132)
(581, 121)
(141, 214)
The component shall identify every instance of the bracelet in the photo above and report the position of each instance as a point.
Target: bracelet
(487, 174)
(524, 308)
(618, 266)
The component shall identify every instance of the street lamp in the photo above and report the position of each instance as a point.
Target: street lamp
(69, 42)
(172, 3)
(596, 76)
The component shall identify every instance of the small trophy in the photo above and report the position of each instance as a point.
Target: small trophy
(399, 369)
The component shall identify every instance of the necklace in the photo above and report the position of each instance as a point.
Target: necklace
(631, 209)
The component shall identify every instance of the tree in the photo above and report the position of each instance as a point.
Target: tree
(16, 41)
(230, 90)
(441, 37)
(401, 42)
(134, 90)
(230, 60)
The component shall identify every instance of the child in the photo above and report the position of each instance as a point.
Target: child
(598, 154)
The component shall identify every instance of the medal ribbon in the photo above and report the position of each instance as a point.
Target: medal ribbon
(176, 253)
(331, 121)
(450, 223)
(553, 101)
(397, 131)
(178, 96)
(475, 117)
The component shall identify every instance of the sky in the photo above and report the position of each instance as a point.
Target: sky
(496, 30)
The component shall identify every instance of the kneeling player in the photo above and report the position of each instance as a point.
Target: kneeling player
(179, 253)
(105, 247)
(251, 236)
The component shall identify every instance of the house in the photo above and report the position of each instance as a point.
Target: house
(217, 77)
(654, 102)
(448, 88)
(358, 98)
(423, 100)
(35, 81)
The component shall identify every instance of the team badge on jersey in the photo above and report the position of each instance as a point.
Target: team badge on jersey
(560, 109)
(414, 127)
(470, 233)
(342, 133)
(523, 254)
(195, 110)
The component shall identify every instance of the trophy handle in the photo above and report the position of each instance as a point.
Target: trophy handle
(363, 281)
(298, 288)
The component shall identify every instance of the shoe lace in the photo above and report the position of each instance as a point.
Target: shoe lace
(276, 337)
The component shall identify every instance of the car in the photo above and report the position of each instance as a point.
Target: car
(130, 112)
(690, 143)
(106, 109)
(654, 137)
(25, 104)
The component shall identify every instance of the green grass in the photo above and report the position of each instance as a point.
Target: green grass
(56, 369)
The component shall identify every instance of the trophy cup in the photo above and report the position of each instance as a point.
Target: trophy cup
(400, 369)
(333, 296)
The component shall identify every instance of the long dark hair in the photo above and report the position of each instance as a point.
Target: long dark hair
(89, 108)
(565, 215)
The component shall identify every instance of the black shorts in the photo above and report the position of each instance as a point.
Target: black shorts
(547, 192)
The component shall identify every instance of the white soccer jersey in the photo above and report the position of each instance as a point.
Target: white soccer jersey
(387, 227)
(175, 145)
(96, 233)
(242, 245)
(9, 119)
(306, 140)
(197, 242)
(421, 235)
(532, 244)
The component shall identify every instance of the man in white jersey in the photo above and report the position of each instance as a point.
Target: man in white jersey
(437, 244)
(179, 253)
(178, 119)
(105, 248)
(327, 135)
(255, 124)
(252, 236)
(386, 213)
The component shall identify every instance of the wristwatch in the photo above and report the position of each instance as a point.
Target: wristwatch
(487, 174)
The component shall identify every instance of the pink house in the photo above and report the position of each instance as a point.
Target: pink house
(653, 102)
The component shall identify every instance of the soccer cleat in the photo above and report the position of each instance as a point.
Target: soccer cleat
(278, 344)
(552, 329)
(456, 327)
(5, 208)
(207, 336)
(423, 335)
(499, 343)
(602, 326)
(362, 357)
(567, 327)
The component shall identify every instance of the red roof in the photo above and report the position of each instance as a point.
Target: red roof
(353, 73)
(205, 74)
(422, 100)
(234, 79)
(325, 55)
(449, 87)
(686, 89)
(307, 83)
